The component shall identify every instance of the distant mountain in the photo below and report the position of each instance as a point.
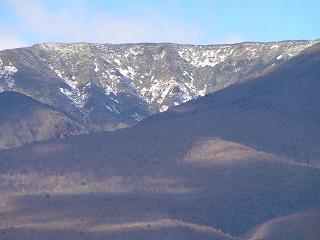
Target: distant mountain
(105, 87)
(234, 160)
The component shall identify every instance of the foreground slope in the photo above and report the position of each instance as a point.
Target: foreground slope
(302, 225)
(85, 183)
(193, 165)
(162, 229)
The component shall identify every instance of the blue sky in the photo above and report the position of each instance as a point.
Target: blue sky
(26, 22)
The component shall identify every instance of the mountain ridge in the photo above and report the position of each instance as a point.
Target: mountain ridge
(111, 86)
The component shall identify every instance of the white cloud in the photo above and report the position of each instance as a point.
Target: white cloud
(9, 40)
(73, 22)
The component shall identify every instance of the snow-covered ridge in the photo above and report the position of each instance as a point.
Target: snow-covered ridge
(200, 56)
(116, 65)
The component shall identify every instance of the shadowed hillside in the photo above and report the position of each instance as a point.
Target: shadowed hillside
(24, 120)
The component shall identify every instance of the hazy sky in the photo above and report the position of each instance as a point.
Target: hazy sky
(25, 22)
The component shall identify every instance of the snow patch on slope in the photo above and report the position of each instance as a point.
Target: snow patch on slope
(204, 57)
(164, 108)
(77, 96)
(96, 68)
(7, 74)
